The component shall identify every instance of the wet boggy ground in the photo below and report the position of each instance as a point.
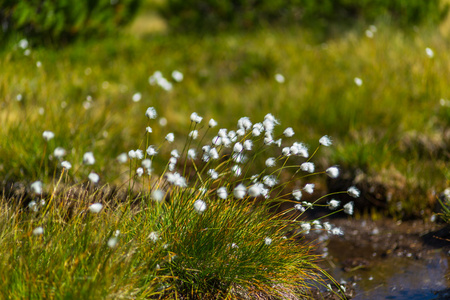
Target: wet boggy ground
(387, 259)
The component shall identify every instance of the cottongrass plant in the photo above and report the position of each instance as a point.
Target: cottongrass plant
(208, 227)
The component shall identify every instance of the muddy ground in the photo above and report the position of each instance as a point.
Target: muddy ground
(387, 259)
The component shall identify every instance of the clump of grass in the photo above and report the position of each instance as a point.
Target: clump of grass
(208, 227)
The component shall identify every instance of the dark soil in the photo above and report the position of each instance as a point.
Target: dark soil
(382, 259)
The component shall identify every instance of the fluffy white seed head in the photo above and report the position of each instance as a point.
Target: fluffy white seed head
(267, 241)
(196, 118)
(191, 154)
(222, 192)
(212, 123)
(93, 177)
(429, 52)
(137, 97)
(151, 113)
(358, 81)
(270, 162)
(240, 191)
(88, 158)
(66, 165)
(95, 208)
(307, 167)
(334, 204)
(36, 187)
(332, 172)
(200, 206)
(59, 152)
(177, 76)
(193, 134)
(348, 208)
(151, 151)
(122, 158)
(306, 227)
(158, 195)
(147, 163)
(325, 141)
(170, 137)
(238, 147)
(139, 172)
(353, 191)
(112, 242)
(244, 123)
(153, 236)
(309, 188)
(48, 135)
(297, 194)
(288, 132)
(38, 231)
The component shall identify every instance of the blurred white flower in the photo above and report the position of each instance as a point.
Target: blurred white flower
(348, 208)
(33, 206)
(147, 163)
(307, 167)
(88, 158)
(176, 179)
(270, 180)
(158, 195)
(213, 153)
(369, 33)
(162, 121)
(193, 134)
(238, 147)
(93, 177)
(122, 158)
(222, 192)
(196, 118)
(148, 129)
(59, 152)
(353, 191)
(240, 191)
(333, 172)
(297, 194)
(200, 206)
(309, 188)
(151, 113)
(237, 171)
(66, 165)
(248, 145)
(177, 76)
(151, 151)
(153, 236)
(23, 43)
(299, 207)
(288, 132)
(132, 154)
(117, 233)
(38, 64)
(270, 162)
(175, 153)
(334, 204)
(48, 135)
(279, 78)
(306, 227)
(267, 241)
(255, 190)
(112, 242)
(36, 187)
(286, 151)
(325, 141)
(139, 154)
(358, 81)
(337, 231)
(429, 52)
(170, 137)
(139, 172)
(137, 97)
(212, 123)
(27, 52)
(214, 175)
(38, 231)
(95, 208)
(19, 97)
(191, 154)
(244, 123)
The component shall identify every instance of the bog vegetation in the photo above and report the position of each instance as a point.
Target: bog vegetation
(113, 187)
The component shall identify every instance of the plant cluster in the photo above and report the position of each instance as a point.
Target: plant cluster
(207, 227)
(62, 20)
(216, 15)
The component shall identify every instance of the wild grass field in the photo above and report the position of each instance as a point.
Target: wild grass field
(381, 93)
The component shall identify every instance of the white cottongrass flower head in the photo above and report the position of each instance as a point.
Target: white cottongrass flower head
(139, 172)
(238, 147)
(307, 167)
(137, 97)
(332, 172)
(95, 208)
(191, 154)
(193, 134)
(176, 179)
(93, 177)
(38, 231)
(288, 132)
(122, 158)
(309, 188)
(170, 137)
(147, 163)
(112, 242)
(306, 227)
(153, 236)
(158, 195)
(196, 118)
(214, 175)
(148, 129)
(267, 241)
(429, 52)
(240, 191)
(200, 206)
(299, 207)
(353, 192)
(151, 151)
(248, 145)
(48, 135)
(358, 81)
(88, 158)
(279, 78)
(270, 180)
(237, 171)
(270, 162)
(325, 141)
(348, 208)
(59, 152)
(334, 204)
(66, 165)
(244, 123)
(151, 113)
(177, 76)
(222, 192)
(297, 194)
(212, 123)
(37, 187)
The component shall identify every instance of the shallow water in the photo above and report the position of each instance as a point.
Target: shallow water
(373, 274)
